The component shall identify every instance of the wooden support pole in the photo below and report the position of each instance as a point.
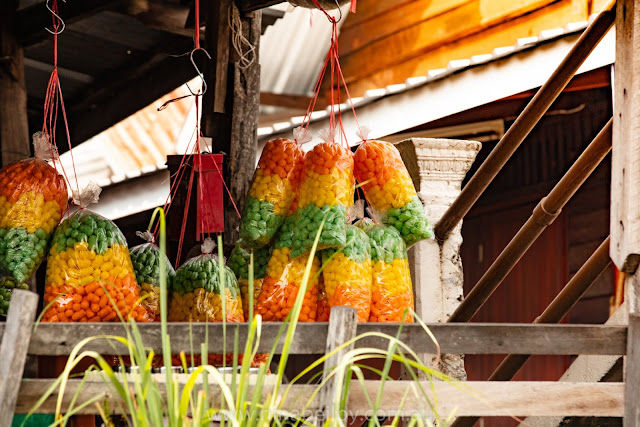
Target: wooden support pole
(342, 328)
(625, 160)
(14, 129)
(231, 104)
(632, 373)
(13, 350)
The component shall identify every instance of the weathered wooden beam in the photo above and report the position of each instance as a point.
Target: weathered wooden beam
(231, 104)
(472, 338)
(33, 20)
(109, 102)
(14, 128)
(625, 161)
(13, 349)
(465, 398)
(298, 102)
(247, 6)
(632, 373)
(342, 329)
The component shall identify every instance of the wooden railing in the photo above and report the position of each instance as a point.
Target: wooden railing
(475, 399)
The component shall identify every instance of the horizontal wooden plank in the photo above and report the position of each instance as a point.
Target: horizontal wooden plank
(310, 338)
(354, 37)
(468, 398)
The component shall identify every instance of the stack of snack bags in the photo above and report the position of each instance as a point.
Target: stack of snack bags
(284, 278)
(197, 290)
(146, 265)
(390, 191)
(271, 193)
(347, 273)
(90, 276)
(326, 193)
(392, 292)
(239, 264)
(33, 198)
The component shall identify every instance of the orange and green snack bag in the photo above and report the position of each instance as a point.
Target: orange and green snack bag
(197, 290)
(239, 263)
(273, 188)
(390, 191)
(33, 198)
(282, 283)
(326, 193)
(146, 265)
(347, 273)
(392, 291)
(90, 276)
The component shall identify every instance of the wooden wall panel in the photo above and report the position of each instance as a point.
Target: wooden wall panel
(457, 33)
(393, 20)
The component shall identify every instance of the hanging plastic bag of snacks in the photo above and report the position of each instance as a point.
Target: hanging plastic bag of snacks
(390, 191)
(392, 292)
(90, 276)
(326, 193)
(283, 280)
(33, 198)
(239, 264)
(146, 265)
(197, 289)
(323, 304)
(347, 273)
(273, 188)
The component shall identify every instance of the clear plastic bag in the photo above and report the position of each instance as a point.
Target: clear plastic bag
(239, 264)
(326, 192)
(347, 273)
(197, 291)
(146, 265)
(390, 191)
(392, 291)
(90, 276)
(33, 198)
(273, 188)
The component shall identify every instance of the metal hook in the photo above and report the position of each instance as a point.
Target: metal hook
(339, 11)
(57, 17)
(204, 82)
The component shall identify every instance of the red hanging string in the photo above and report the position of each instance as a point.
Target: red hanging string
(54, 101)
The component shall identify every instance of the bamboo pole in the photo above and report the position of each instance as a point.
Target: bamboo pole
(543, 215)
(529, 117)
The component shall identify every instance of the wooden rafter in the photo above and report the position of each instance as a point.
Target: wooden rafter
(112, 101)
(33, 20)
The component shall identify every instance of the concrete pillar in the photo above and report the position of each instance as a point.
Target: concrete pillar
(437, 167)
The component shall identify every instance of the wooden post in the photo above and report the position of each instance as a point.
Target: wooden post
(231, 104)
(342, 328)
(14, 129)
(625, 169)
(13, 349)
(632, 374)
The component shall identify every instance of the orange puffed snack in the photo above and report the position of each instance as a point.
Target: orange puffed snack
(323, 304)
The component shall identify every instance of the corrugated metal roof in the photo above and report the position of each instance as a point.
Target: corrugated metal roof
(453, 67)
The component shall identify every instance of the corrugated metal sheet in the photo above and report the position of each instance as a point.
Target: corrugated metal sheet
(454, 67)
(293, 50)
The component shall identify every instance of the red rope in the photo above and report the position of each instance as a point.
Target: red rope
(54, 101)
